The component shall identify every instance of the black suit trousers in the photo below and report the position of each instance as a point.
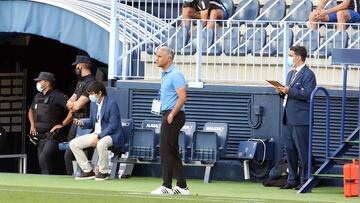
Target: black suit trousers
(171, 163)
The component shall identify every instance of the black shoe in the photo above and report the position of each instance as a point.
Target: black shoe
(86, 176)
(298, 187)
(288, 186)
(102, 176)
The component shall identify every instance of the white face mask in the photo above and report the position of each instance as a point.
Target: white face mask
(290, 61)
(93, 98)
(38, 87)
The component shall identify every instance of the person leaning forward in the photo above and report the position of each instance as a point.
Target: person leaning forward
(48, 115)
(104, 120)
(172, 98)
(79, 103)
(300, 82)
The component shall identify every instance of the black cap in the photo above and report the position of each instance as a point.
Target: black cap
(45, 76)
(82, 59)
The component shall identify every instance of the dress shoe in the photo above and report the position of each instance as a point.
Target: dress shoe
(288, 186)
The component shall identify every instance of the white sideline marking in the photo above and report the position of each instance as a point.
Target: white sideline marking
(146, 196)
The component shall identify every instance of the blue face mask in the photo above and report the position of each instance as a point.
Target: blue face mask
(93, 98)
(38, 87)
(290, 61)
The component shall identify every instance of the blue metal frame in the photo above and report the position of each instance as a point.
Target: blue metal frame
(343, 106)
(312, 97)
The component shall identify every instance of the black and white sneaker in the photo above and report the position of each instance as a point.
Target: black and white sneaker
(86, 176)
(162, 190)
(102, 176)
(181, 191)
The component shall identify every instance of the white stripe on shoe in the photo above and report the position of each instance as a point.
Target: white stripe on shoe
(162, 190)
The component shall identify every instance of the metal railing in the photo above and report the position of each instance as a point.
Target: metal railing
(311, 125)
(243, 52)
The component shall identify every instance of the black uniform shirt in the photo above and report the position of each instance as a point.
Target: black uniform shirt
(82, 90)
(49, 109)
(201, 5)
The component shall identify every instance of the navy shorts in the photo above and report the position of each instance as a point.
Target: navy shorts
(354, 16)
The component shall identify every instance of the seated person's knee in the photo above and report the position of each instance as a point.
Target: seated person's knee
(216, 15)
(187, 12)
(342, 16)
(72, 144)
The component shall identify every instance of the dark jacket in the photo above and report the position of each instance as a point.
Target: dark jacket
(296, 111)
(110, 121)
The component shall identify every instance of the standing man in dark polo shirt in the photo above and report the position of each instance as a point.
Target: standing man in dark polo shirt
(172, 99)
(48, 114)
(79, 101)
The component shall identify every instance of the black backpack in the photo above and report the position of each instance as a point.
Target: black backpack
(278, 174)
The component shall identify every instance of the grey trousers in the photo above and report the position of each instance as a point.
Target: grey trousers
(79, 143)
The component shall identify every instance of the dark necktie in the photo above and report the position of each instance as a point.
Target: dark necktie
(293, 76)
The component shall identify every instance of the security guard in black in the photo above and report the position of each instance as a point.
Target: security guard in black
(48, 115)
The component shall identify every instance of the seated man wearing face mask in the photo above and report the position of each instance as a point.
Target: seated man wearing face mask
(107, 131)
(48, 115)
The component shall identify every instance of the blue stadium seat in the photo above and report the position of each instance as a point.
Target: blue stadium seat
(339, 40)
(217, 48)
(127, 126)
(79, 132)
(231, 41)
(209, 143)
(151, 47)
(258, 41)
(355, 41)
(221, 129)
(301, 14)
(152, 124)
(275, 13)
(252, 41)
(204, 147)
(156, 125)
(249, 12)
(276, 46)
(207, 37)
(185, 140)
(310, 41)
(142, 144)
(179, 39)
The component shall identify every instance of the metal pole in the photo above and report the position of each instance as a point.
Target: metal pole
(114, 42)
(286, 51)
(199, 51)
(343, 107)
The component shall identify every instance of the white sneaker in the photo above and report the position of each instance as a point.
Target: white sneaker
(181, 191)
(162, 191)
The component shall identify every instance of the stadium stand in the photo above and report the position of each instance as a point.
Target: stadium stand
(332, 39)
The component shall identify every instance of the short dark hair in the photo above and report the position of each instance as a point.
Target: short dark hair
(96, 87)
(299, 51)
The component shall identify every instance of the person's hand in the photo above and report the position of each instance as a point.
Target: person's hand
(69, 105)
(170, 118)
(95, 141)
(78, 122)
(277, 89)
(56, 127)
(284, 89)
(33, 131)
(204, 23)
(322, 13)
